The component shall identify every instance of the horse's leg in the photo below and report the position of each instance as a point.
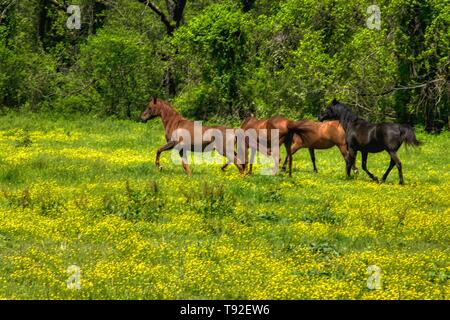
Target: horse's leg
(288, 157)
(168, 146)
(283, 168)
(313, 158)
(225, 165)
(364, 166)
(290, 164)
(350, 161)
(391, 166)
(344, 152)
(294, 148)
(184, 161)
(240, 167)
(246, 157)
(397, 161)
(288, 146)
(252, 159)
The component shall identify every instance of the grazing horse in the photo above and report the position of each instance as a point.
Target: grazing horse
(321, 135)
(262, 141)
(174, 125)
(367, 137)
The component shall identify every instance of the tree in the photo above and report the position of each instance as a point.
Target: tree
(172, 21)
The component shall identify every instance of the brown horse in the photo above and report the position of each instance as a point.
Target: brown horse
(184, 135)
(321, 135)
(263, 141)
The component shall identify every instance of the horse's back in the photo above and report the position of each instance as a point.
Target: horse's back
(370, 137)
(278, 122)
(324, 135)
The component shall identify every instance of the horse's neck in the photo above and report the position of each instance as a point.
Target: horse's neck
(347, 119)
(169, 117)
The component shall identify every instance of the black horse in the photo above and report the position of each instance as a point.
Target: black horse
(366, 137)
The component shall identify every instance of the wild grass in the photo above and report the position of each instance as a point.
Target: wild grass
(85, 192)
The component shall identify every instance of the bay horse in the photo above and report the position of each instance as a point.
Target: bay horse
(321, 135)
(263, 129)
(173, 123)
(366, 137)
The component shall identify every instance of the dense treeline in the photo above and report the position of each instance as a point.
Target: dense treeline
(229, 58)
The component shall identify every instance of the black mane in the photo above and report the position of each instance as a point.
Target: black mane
(346, 115)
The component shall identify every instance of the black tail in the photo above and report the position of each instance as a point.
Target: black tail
(409, 136)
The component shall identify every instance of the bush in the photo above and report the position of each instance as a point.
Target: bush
(26, 78)
(214, 48)
(115, 75)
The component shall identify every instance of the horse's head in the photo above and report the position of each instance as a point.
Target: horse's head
(331, 112)
(152, 111)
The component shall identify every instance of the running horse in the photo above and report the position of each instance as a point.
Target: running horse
(320, 135)
(261, 140)
(174, 124)
(367, 137)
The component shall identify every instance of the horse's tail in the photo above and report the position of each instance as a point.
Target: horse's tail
(301, 128)
(409, 136)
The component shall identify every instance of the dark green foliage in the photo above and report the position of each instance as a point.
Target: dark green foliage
(115, 75)
(214, 47)
(227, 59)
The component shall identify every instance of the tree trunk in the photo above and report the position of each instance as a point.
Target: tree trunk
(41, 22)
(247, 5)
(175, 8)
(169, 82)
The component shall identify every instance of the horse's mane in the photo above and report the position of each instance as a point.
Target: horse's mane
(168, 107)
(346, 114)
(248, 119)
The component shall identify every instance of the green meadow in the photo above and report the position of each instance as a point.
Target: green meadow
(84, 213)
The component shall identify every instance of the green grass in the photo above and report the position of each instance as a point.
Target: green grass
(85, 192)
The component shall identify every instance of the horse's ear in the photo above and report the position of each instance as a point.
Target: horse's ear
(155, 99)
(335, 102)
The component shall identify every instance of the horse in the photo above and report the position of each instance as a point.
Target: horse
(321, 135)
(262, 141)
(366, 137)
(181, 133)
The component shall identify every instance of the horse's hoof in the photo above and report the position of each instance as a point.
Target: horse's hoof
(160, 168)
(402, 183)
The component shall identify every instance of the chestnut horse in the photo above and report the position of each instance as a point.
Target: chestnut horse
(321, 135)
(174, 124)
(263, 143)
(300, 134)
